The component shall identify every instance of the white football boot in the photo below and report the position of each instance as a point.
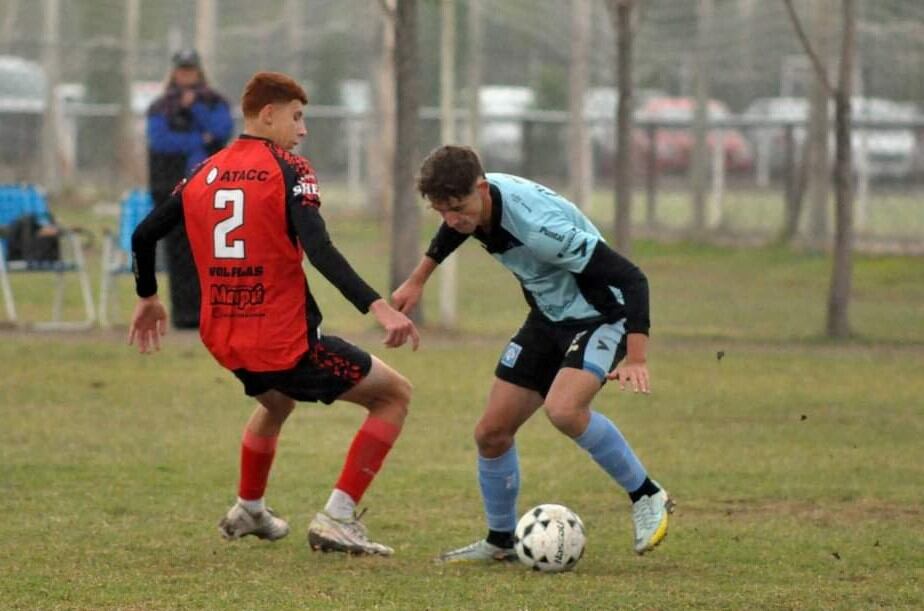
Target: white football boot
(328, 534)
(479, 551)
(650, 516)
(239, 522)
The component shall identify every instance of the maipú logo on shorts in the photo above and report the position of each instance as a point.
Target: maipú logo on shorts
(511, 354)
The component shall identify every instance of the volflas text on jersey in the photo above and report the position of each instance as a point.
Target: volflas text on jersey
(237, 271)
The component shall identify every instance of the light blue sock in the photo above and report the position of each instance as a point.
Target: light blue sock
(499, 479)
(611, 451)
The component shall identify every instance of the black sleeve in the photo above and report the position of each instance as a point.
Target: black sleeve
(444, 243)
(155, 226)
(312, 233)
(608, 267)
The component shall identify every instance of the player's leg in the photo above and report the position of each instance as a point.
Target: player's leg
(525, 370)
(568, 406)
(385, 394)
(509, 406)
(250, 516)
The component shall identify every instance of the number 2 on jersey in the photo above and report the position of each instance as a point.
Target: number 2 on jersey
(234, 197)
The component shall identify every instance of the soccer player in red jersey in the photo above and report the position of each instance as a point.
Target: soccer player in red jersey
(251, 211)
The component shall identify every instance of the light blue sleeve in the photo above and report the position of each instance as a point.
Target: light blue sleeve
(558, 240)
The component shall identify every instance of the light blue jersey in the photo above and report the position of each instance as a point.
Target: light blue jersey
(546, 242)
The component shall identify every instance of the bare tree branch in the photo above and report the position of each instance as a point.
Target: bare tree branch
(816, 63)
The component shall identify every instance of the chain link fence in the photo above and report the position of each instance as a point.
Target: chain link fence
(76, 78)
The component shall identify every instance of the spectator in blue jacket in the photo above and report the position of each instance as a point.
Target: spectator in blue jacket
(188, 123)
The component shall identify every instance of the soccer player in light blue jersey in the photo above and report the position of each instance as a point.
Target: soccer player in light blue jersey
(587, 323)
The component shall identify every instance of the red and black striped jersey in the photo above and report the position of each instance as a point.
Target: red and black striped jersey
(249, 212)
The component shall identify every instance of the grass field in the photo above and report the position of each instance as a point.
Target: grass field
(796, 461)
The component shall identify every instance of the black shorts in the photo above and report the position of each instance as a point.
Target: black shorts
(329, 369)
(540, 349)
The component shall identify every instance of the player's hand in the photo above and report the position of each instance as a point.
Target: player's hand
(407, 296)
(149, 323)
(635, 373)
(398, 327)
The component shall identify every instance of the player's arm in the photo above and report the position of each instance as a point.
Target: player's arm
(558, 241)
(609, 267)
(446, 240)
(326, 258)
(149, 319)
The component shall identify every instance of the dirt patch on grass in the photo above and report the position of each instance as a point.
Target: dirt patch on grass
(859, 510)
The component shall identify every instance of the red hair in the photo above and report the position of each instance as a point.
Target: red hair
(270, 88)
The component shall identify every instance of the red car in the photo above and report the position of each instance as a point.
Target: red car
(674, 140)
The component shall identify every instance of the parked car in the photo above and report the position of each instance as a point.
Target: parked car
(600, 105)
(880, 151)
(887, 151)
(674, 145)
(768, 141)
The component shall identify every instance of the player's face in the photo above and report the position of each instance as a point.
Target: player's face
(464, 214)
(288, 124)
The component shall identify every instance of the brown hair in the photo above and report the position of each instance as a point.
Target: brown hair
(270, 88)
(449, 172)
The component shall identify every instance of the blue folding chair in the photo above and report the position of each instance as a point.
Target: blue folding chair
(117, 249)
(17, 201)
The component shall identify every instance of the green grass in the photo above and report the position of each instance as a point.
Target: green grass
(890, 212)
(796, 461)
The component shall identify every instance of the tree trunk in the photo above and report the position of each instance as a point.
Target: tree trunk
(206, 24)
(405, 229)
(838, 325)
(380, 131)
(621, 13)
(796, 179)
(51, 63)
(294, 36)
(819, 165)
(842, 270)
(9, 26)
(473, 73)
(130, 157)
(699, 164)
(578, 139)
(449, 269)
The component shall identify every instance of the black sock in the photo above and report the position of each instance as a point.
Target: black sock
(647, 488)
(500, 538)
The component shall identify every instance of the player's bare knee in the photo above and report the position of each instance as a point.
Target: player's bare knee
(392, 403)
(564, 417)
(403, 389)
(491, 440)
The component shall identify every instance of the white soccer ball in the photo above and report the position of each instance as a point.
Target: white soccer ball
(550, 538)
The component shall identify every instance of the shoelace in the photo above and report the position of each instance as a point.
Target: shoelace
(644, 512)
(356, 526)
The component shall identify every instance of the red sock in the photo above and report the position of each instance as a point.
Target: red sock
(367, 452)
(257, 454)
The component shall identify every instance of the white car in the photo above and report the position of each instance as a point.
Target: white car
(878, 151)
